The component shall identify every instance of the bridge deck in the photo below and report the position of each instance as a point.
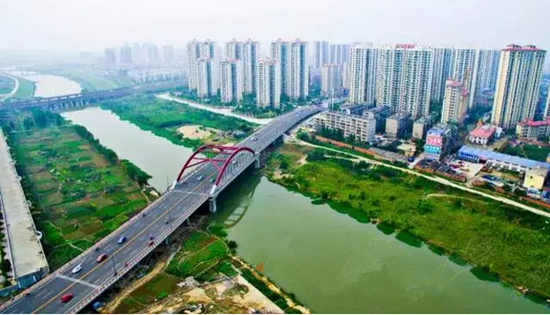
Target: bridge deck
(158, 221)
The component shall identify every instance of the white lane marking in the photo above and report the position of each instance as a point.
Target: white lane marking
(190, 193)
(78, 281)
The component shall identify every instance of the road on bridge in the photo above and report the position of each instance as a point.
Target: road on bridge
(155, 222)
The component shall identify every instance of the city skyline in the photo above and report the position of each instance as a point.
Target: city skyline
(450, 24)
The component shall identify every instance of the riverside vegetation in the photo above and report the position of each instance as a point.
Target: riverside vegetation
(502, 242)
(79, 190)
(163, 118)
(205, 255)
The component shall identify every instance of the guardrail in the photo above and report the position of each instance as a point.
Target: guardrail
(132, 263)
(92, 295)
(75, 260)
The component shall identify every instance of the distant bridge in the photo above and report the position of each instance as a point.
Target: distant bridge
(87, 98)
(203, 176)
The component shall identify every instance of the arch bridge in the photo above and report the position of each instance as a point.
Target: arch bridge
(203, 176)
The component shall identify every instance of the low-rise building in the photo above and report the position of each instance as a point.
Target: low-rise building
(535, 177)
(498, 160)
(363, 128)
(380, 113)
(154, 75)
(408, 149)
(397, 125)
(421, 126)
(439, 141)
(533, 130)
(354, 109)
(483, 134)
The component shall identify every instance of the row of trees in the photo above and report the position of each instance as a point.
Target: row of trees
(134, 172)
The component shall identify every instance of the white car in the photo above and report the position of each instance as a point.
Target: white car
(77, 269)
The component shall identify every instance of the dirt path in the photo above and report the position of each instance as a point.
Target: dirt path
(111, 307)
(452, 196)
(221, 111)
(434, 179)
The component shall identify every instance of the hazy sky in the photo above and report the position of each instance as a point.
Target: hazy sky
(92, 25)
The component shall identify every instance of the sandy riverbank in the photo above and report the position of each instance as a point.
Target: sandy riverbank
(196, 131)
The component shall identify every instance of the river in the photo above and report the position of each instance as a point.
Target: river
(332, 263)
(48, 85)
(156, 156)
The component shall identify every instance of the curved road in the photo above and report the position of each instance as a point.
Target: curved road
(13, 91)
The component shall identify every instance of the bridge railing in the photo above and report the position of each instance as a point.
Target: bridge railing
(77, 259)
(111, 236)
(132, 263)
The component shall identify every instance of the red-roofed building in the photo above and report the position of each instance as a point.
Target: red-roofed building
(482, 135)
(533, 130)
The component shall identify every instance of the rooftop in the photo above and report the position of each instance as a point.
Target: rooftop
(538, 170)
(453, 83)
(439, 129)
(486, 154)
(483, 131)
(400, 115)
(532, 123)
(514, 47)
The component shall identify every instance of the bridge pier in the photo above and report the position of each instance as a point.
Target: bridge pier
(257, 163)
(212, 205)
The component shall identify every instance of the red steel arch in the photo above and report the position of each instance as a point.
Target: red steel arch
(218, 155)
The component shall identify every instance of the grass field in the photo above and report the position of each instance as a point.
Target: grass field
(156, 289)
(26, 89)
(91, 80)
(80, 196)
(200, 254)
(163, 118)
(6, 84)
(485, 233)
(529, 151)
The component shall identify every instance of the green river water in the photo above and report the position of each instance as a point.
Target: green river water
(332, 263)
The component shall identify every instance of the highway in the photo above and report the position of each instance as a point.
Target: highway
(157, 221)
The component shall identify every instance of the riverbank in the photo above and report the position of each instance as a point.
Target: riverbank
(90, 78)
(8, 84)
(79, 190)
(203, 274)
(332, 262)
(164, 118)
(482, 232)
(222, 111)
(25, 89)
